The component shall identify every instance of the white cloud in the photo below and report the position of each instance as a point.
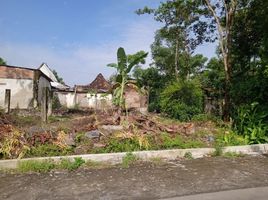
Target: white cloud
(80, 65)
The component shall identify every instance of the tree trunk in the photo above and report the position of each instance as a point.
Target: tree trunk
(227, 99)
(176, 59)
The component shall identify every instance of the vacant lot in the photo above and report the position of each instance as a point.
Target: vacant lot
(140, 181)
(85, 131)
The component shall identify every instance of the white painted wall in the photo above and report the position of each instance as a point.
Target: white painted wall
(99, 100)
(66, 98)
(21, 92)
(69, 99)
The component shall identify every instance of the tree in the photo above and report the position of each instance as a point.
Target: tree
(180, 34)
(124, 66)
(59, 79)
(2, 62)
(154, 82)
(223, 14)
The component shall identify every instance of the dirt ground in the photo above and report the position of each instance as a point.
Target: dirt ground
(141, 181)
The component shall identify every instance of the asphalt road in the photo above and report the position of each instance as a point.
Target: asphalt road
(146, 181)
(260, 193)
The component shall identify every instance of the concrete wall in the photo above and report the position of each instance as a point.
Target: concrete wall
(84, 100)
(66, 99)
(21, 92)
(42, 83)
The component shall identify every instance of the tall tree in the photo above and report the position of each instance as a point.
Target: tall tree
(180, 34)
(223, 13)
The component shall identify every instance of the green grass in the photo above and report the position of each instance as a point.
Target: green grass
(129, 159)
(53, 118)
(71, 165)
(36, 166)
(48, 150)
(233, 155)
(48, 165)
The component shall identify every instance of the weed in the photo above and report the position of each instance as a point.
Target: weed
(35, 166)
(48, 150)
(230, 138)
(96, 164)
(218, 151)
(157, 160)
(188, 155)
(129, 159)
(71, 165)
(53, 118)
(233, 155)
(179, 142)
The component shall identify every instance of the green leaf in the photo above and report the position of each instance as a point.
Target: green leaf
(113, 65)
(122, 59)
(135, 62)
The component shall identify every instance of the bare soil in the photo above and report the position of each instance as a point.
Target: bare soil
(140, 181)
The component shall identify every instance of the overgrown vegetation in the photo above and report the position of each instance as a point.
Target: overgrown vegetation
(129, 159)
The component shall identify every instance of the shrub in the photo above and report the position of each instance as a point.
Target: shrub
(230, 138)
(251, 121)
(182, 100)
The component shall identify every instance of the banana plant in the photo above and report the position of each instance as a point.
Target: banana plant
(123, 67)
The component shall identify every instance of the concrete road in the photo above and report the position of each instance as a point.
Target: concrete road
(260, 193)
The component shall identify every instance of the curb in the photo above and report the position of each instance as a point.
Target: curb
(172, 154)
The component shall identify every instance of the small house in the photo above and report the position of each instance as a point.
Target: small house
(24, 88)
(94, 95)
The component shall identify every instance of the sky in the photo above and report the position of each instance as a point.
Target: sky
(77, 38)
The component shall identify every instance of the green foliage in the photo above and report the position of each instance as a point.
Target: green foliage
(59, 79)
(233, 155)
(182, 100)
(56, 102)
(129, 159)
(71, 165)
(36, 166)
(123, 145)
(230, 138)
(124, 66)
(48, 165)
(47, 150)
(2, 62)
(218, 151)
(206, 118)
(251, 122)
(169, 142)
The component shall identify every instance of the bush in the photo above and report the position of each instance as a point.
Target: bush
(251, 121)
(230, 138)
(182, 100)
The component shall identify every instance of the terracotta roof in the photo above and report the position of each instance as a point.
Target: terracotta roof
(100, 84)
